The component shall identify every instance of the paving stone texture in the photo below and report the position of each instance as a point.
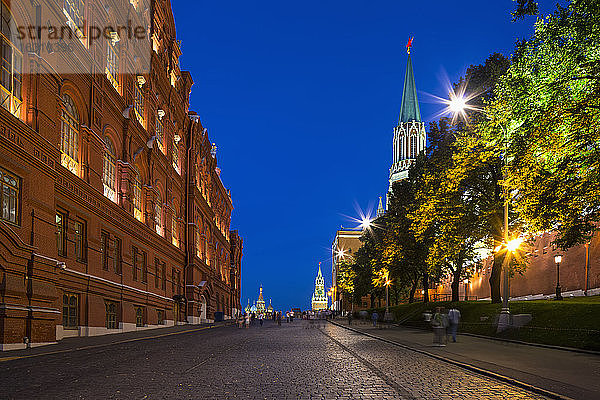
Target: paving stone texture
(292, 361)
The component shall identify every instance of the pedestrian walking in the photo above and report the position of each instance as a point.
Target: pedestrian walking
(439, 323)
(374, 317)
(279, 318)
(260, 319)
(454, 320)
(349, 318)
(247, 320)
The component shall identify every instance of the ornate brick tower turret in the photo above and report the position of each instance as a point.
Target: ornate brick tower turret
(409, 135)
(319, 298)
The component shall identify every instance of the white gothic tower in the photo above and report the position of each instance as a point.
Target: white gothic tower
(409, 135)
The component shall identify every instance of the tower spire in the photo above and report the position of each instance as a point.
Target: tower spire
(409, 110)
(380, 209)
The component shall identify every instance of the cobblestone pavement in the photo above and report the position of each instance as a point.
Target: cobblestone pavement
(269, 362)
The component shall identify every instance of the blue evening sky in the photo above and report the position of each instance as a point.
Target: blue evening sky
(301, 99)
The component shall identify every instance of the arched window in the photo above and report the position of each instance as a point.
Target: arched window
(137, 196)
(69, 135)
(12, 63)
(158, 219)
(108, 175)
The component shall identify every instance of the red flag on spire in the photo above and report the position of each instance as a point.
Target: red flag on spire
(409, 44)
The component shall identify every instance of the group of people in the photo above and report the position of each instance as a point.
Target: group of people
(445, 325)
(245, 320)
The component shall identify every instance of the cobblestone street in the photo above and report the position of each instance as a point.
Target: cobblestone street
(272, 362)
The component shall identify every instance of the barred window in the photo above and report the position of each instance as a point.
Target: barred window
(74, 11)
(117, 257)
(137, 196)
(109, 175)
(138, 102)
(143, 266)
(111, 315)
(69, 135)
(61, 233)
(70, 311)
(104, 240)
(112, 60)
(10, 195)
(80, 241)
(12, 63)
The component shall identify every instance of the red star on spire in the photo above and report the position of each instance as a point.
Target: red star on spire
(409, 44)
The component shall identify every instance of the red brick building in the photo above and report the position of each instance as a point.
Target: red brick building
(113, 216)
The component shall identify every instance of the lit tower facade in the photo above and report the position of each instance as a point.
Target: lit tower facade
(319, 298)
(409, 134)
(260, 303)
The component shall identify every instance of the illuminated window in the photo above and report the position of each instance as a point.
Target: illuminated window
(70, 311)
(160, 139)
(69, 135)
(137, 196)
(176, 160)
(174, 235)
(158, 220)
(112, 60)
(12, 63)
(74, 11)
(138, 102)
(111, 315)
(110, 166)
(10, 191)
(413, 147)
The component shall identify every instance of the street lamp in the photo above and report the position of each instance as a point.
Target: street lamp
(457, 105)
(557, 260)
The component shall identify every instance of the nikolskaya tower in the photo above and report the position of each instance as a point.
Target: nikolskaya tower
(409, 134)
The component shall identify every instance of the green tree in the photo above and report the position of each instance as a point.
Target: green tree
(552, 93)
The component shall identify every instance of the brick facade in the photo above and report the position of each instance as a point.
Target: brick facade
(105, 244)
(540, 275)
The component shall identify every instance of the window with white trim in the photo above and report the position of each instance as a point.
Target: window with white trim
(108, 174)
(12, 63)
(69, 145)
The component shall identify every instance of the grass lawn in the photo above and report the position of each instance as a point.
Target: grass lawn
(573, 322)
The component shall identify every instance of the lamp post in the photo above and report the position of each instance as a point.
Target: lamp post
(557, 260)
(458, 105)
(387, 297)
